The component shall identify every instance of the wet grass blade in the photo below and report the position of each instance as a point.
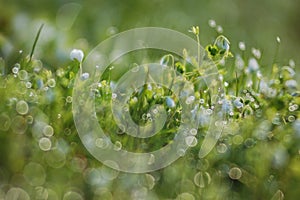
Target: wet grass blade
(35, 41)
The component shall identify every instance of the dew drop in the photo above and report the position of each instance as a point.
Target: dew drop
(117, 146)
(114, 96)
(51, 83)
(249, 142)
(67, 131)
(185, 196)
(209, 111)
(19, 125)
(202, 179)
(147, 181)
(238, 139)
(242, 46)
(55, 158)
(278, 195)
(103, 193)
(16, 194)
(181, 152)
(28, 85)
(235, 173)
(191, 141)
(202, 164)
(101, 143)
(22, 107)
(71, 195)
(48, 131)
(41, 193)
(23, 75)
(45, 144)
(69, 99)
(135, 69)
(5, 122)
(193, 131)
(29, 119)
(15, 70)
(291, 118)
(221, 148)
(111, 172)
(219, 29)
(212, 23)
(34, 174)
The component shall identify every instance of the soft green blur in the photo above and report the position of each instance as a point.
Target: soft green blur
(256, 22)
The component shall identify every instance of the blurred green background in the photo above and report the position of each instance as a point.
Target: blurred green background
(256, 22)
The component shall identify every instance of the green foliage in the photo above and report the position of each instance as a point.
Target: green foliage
(256, 157)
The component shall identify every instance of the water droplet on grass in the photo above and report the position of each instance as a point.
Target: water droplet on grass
(67, 131)
(209, 111)
(69, 99)
(45, 144)
(16, 68)
(16, 194)
(111, 172)
(28, 84)
(238, 139)
(34, 174)
(117, 146)
(147, 181)
(22, 107)
(181, 152)
(278, 195)
(19, 125)
(101, 143)
(249, 142)
(55, 158)
(202, 179)
(291, 118)
(212, 23)
(193, 131)
(202, 164)
(235, 173)
(51, 83)
(41, 193)
(23, 75)
(221, 148)
(242, 46)
(5, 122)
(191, 141)
(71, 195)
(48, 131)
(185, 196)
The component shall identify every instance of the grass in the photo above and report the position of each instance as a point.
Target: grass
(256, 157)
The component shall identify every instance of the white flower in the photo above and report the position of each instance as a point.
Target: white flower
(239, 62)
(77, 54)
(242, 46)
(253, 65)
(237, 103)
(85, 76)
(170, 102)
(291, 83)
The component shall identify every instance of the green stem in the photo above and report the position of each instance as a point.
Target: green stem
(35, 42)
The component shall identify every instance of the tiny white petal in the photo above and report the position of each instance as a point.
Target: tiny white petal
(77, 54)
(85, 76)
